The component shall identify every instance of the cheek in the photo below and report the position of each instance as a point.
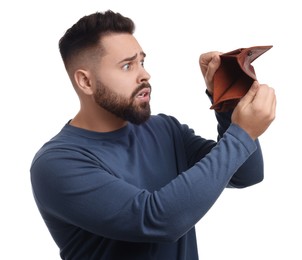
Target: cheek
(120, 83)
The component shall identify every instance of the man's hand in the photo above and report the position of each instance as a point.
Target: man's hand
(256, 110)
(209, 63)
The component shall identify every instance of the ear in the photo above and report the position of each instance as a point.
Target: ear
(82, 79)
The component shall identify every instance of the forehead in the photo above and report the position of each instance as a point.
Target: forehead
(119, 46)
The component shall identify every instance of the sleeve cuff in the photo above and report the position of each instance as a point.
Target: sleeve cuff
(237, 132)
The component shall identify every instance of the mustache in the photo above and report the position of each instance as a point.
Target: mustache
(140, 87)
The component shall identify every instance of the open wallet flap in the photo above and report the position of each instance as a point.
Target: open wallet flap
(235, 76)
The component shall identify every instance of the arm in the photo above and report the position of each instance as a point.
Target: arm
(254, 113)
(77, 190)
(251, 172)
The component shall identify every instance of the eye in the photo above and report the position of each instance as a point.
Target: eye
(126, 67)
(142, 63)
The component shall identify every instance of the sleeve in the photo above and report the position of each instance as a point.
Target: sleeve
(252, 171)
(76, 190)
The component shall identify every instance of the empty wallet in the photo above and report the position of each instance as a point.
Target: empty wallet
(234, 77)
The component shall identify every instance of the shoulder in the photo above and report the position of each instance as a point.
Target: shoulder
(64, 143)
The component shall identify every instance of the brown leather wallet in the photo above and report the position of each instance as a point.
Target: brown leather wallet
(235, 76)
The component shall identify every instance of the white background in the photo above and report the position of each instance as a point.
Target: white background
(37, 99)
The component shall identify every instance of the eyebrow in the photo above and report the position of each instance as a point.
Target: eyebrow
(133, 57)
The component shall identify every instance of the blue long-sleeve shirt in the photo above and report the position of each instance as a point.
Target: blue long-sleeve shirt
(136, 193)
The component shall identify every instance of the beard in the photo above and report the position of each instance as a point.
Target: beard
(123, 107)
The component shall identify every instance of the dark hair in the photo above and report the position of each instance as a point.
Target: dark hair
(87, 32)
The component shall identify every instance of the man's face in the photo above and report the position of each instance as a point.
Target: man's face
(122, 85)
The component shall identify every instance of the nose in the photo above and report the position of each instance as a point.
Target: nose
(143, 76)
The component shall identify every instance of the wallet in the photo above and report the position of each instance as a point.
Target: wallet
(235, 76)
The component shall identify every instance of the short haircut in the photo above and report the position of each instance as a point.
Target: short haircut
(88, 31)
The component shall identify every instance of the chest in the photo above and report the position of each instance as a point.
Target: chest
(144, 162)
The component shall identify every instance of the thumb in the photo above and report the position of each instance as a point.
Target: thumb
(250, 95)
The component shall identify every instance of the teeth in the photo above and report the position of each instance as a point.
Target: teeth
(143, 93)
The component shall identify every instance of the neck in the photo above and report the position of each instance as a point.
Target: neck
(98, 121)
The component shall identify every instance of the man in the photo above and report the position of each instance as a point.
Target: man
(117, 183)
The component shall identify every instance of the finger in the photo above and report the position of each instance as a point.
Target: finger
(212, 67)
(273, 103)
(265, 97)
(250, 95)
(265, 102)
(206, 58)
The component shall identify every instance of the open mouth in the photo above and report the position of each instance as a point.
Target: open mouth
(143, 93)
